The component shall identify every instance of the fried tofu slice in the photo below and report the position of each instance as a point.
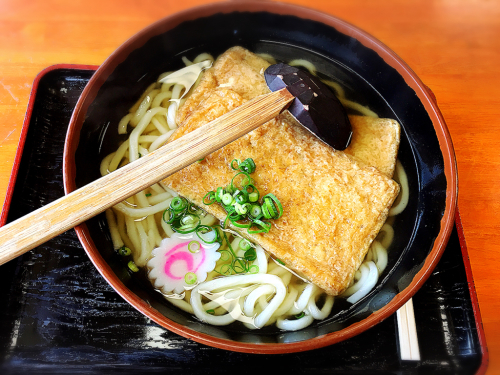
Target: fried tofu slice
(237, 69)
(375, 142)
(333, 205)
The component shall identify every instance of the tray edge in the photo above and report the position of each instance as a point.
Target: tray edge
(473, 296)
(24, 132)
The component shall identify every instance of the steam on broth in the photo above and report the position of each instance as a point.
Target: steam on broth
(260, 290)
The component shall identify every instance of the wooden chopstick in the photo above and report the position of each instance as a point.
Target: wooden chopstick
(407, 333)
(57, 217)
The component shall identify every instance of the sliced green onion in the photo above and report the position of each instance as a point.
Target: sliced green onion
(240, 200)
(190, 278)
(204, 229)
(269, 208)
(234, 217)
(248, 166)
(186, 229)
(264, 227)
(189, 219)
(194, 247)
(124, 251)
(148, 194)
(277, 204)
(241, 225)
(209, 198)
(253, 269)
(226, 221)
(211, 312)
(132, 266)
(250, 188)
(280, 261)
(236, 265)
(250, 255)
(171, 216)
(192, 209)
(240, 265)
(301, 315)
(241, 209)
(219, 194)
(186, 224)
(255, 211)
(225, 269)
(253, 197)
(245, 245)
(227, 242)
(229, 189)
(246, 180)
(178, 204)
(265, 211)
(227, 199)
(233, 167)
(272, 210)
(225, 255)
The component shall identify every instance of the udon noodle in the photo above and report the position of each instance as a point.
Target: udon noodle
(269, 293)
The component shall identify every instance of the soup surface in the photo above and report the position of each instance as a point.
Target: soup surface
(220, 276)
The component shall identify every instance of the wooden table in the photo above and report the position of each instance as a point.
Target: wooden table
(454, 47)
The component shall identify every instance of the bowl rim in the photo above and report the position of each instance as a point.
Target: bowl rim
(392, 59)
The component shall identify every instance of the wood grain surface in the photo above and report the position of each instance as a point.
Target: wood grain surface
(453, 46)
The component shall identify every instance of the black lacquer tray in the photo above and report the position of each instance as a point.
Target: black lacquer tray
(59, 316)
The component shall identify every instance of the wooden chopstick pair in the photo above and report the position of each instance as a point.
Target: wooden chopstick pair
(407, 333)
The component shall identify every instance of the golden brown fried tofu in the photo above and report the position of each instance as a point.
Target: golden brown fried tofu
(375, 142)
(333, 206)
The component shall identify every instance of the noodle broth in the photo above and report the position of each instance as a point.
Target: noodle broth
(364, 100)
(376, 77)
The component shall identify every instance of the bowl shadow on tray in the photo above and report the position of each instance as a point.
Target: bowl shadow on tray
(367, 80)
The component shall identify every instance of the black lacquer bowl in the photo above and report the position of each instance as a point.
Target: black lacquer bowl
(372, 75)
